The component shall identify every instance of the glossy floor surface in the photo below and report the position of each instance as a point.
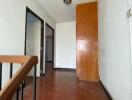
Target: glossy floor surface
(63, 85)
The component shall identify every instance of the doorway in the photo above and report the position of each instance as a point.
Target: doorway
(49, 49)
(34, 38)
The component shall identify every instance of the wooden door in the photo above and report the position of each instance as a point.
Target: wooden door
(87, 42)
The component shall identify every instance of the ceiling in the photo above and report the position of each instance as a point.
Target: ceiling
(61, 12)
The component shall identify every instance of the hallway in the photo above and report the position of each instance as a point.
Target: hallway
(63, 85)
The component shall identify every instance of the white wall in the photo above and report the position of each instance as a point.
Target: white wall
(65, 50)
(12, 25)
(130, 22)
(114, 45)
(33, 42)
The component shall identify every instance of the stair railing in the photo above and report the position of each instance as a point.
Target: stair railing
(16, 80)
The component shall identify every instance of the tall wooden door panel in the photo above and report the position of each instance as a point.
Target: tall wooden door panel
(87, 42)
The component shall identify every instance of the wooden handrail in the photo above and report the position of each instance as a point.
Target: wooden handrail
(11, 86)
(14, 59)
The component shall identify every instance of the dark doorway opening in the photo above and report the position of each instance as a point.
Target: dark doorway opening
(49, 49)
(29, 49)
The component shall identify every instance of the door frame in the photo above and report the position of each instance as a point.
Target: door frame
(41, 40)
(53, 42)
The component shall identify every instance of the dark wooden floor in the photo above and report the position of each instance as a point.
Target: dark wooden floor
(63, 85)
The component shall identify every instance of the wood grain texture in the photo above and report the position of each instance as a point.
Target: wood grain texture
(11, 86)
(13, 59)
(87, 41)
(63, 85)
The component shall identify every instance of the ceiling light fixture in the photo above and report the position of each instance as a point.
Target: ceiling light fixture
(67, 2)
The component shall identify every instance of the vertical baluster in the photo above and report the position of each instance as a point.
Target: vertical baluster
(22, 90)
(0, 75)
(22, 87)
(11, 70)
(34, 84)
(17, 94)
